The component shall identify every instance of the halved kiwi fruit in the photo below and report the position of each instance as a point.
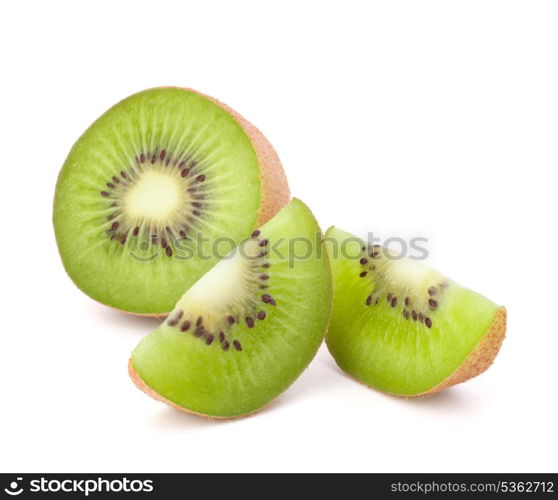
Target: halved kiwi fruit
(247, 329)
(402, 327)
(150, 187)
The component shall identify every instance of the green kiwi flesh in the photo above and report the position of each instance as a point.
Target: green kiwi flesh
(402, 327)
(247, 329)
(148, 189)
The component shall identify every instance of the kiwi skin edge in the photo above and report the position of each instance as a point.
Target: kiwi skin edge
(274, 186)
(476, 362)
(142, 386)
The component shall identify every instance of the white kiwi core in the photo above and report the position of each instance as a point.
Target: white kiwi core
(155, 196)
(228, 288)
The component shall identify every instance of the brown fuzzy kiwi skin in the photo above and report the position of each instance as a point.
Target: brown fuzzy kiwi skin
(274, 186)
(142, 386)
(478, 360)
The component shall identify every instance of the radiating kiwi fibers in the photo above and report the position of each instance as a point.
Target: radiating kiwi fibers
(151, 186)
(240, 308)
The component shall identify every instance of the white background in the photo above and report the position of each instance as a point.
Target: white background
(431, 118)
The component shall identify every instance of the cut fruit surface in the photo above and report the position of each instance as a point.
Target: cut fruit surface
(402, 327)
(150, 187)
(247, 329)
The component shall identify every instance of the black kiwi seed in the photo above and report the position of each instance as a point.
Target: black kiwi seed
(225, 345)
(256, 233)
(414, 315)
(428, 322)
(136, 231)
(105, 194)
(142, 158)
(263, 243)
(110, 185)
(182, 233)
(199, 321)
(433, 304)
(168, 251)
(123, 239)
(173, 322)
(199, 331)
(432, 291)
(209, 338)
(221, 336)
(267, 265)
(363, 261)
(185, 172)
(162, 154)
(406, 314)
(369, 300)
(185, 326)
(266, 298)
(394, 302)
(200, 178)
(363, 274)
(115, 179)
(421, 317)
(250, 322)
(163, 243)
(407, 301)
(237, 345)
(264, 277)
(261, 315)
(231, 320)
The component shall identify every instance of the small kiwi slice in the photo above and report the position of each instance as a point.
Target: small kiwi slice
(402, 327)
(148, 189)
(247, 329)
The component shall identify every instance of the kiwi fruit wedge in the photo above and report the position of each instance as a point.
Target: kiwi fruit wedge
(247, 328)
(149, 188)
(402, 327)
